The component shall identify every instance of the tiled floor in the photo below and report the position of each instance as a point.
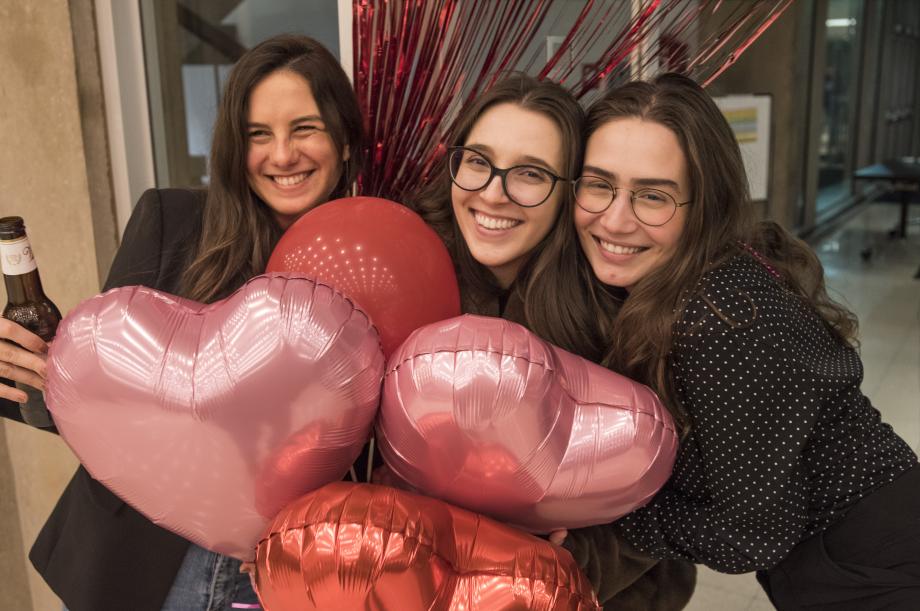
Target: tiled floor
(885, 296)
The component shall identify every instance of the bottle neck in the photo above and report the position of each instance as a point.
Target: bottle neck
(24, 288)
(20, 271)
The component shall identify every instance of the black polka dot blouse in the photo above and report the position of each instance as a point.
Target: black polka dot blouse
(782, 440)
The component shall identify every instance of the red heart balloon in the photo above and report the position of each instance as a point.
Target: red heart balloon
(484, 414)
(379, 253)
(359, 546)
(208, 419)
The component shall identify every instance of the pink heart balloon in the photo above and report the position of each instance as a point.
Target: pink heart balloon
(209, 419)
(482, 413)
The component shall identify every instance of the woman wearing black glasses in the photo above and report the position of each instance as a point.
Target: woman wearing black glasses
(499, 193)
(785, 467)
(502, 201)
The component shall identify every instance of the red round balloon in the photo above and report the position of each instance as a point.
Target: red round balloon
(361, 547)
(379, 253)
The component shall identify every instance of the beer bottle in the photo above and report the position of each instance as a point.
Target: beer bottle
(27, 305)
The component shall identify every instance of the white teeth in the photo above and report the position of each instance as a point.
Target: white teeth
(290, 181)
(617, 249)
(490, 222)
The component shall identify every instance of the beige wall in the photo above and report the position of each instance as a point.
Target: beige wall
(52, 136)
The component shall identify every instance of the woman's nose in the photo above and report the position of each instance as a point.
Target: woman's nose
(494, 191)
(619, 216)
(283, 152)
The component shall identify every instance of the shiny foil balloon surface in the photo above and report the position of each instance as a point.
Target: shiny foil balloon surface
(208, 419)
(379, 253)
(482, 413)
(350, 547)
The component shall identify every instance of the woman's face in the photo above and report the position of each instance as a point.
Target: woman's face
(632, 154)
(292, 163)
(499, 233)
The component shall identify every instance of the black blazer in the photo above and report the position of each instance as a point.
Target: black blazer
(96, 552)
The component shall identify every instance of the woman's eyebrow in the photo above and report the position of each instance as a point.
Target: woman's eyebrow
(522, 160)
(530, 159)
(303, 119)
(306, 118)
(600, 172)
(657, 182)
(482, 148)
(643, 182)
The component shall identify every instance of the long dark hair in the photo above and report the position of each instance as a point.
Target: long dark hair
(551, 264)
(238, 229)
(719, 224)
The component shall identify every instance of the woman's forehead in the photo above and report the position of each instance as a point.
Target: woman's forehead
(515, 133)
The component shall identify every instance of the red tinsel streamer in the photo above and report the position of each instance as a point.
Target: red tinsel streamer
(417, 62)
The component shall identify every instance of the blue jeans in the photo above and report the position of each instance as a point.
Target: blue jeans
(210, 582)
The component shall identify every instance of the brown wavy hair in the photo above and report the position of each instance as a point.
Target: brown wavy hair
(720, 223)
(238, 229)
(552, 269)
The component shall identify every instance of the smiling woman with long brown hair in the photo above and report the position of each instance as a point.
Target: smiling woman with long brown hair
(785, 467)
(288, 138)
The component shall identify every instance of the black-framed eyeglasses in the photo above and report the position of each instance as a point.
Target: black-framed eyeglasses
(525, 185)
(651, 206)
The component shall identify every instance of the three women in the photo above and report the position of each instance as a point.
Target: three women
(784, 463)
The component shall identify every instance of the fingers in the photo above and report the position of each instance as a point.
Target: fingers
(13, 394)
(22, 336)
(12, 358)
(19, 364)
(558, 536)
(19, 374)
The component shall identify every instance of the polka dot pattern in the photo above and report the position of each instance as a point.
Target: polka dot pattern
(782, 441)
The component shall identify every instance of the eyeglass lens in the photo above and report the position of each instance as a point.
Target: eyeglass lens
(525, 185)
(651, 206)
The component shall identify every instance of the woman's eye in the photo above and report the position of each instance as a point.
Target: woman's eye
(652, 197)
(477, 162)
(258, 134)
(305, 129)
(535, 176)
(597, 186)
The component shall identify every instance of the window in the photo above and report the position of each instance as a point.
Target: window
(839, 96)
(189, 48)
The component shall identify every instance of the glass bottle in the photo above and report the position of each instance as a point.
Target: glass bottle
(26, 305)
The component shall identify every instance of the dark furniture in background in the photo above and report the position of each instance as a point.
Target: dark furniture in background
(903, 176)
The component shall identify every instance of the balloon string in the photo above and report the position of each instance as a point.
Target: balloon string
(245, 606)
(370, 459)
(354, 475)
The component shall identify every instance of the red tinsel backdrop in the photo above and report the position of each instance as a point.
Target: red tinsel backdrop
(417, 62)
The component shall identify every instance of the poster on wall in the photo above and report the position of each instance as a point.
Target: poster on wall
(749, 118)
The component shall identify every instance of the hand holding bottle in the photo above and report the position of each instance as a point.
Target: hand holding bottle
(31, 319)
(22, 360)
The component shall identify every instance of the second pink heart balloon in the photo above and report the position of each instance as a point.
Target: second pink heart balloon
(483, 414)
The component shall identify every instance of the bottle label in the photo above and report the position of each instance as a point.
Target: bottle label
(17, 256)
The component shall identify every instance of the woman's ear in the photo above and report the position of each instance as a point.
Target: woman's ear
(346, 153)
